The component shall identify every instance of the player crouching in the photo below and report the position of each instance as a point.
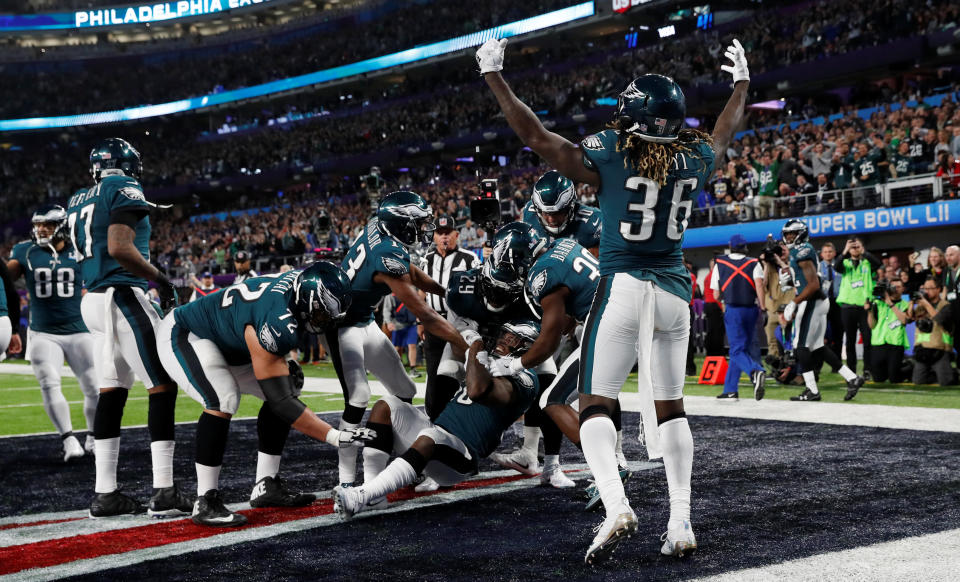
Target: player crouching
(468, 429)
(234, 342)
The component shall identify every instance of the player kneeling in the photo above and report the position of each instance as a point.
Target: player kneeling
(468, 429)
(234, 342)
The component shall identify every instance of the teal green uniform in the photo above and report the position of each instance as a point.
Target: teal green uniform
(372, 253)
(88, 215)
(869, 166)
(584, 227)
(643, 221)
(798, 254)
(464, 299)
(54, 285)
(481, 427)
(3, 300)
(902, 164)
(566, 263)
(261, 302)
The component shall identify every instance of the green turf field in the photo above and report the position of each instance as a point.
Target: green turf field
(21, 408)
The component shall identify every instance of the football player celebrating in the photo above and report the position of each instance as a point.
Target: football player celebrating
(809, 308)
(9, 314)
(377, 264)
(110, 231)
(234, 342)
(647, 170)
(56, 327)
(554, 212)
(448, 450)
(486, 298)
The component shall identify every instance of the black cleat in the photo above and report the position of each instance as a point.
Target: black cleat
(805, 396)
(729, 396)
(759, 378)
(853, 386)
(114, 503)
(272, 492)
(209, 510)
(169, 502)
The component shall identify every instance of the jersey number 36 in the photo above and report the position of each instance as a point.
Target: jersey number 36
(641, 229)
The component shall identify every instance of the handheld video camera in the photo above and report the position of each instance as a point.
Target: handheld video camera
(485, 207)
(771, 250)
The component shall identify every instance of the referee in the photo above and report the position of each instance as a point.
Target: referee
(446, 258)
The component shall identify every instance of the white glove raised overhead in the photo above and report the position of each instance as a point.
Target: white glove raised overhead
(350, 437)
(490, 55)
(738, 57)
(789, 311)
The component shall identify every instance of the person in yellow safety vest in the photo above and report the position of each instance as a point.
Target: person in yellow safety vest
(857, 267)
(888, 318)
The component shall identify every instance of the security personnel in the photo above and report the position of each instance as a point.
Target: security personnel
(857, 267)
(444, 259)
(737, 280)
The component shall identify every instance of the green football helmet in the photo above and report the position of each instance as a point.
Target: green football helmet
(515, 247)
(798, 227)
(652, 107)
(321, 296)
(407, 218)
(114, 153)
(50, 213)
(500, 286)
(552, 194)
(515, 338)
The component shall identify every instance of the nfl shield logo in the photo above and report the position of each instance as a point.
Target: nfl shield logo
(661, 124)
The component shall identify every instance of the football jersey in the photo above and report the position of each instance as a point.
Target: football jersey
(3, 300)
(372, 253)
(54, 285)
(798, 254)
(566, 263)
(643, 221)
(481, 427)
(584, 227)
(465, 301)
(89, 214)
(902, 164)
(222, 317)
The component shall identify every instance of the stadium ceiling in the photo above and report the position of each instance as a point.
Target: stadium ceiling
(273, 88)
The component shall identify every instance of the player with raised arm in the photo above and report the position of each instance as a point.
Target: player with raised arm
(377, 264)
(469, 428)
(555, 212)
(56, 331)
(647, 169)
(808, 312)
(235, 342)
(110, 231)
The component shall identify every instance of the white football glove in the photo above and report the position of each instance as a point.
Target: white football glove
(738, 57)
(470, 336)
(516, 366)
(350, 437)
(490, 55)
(786, 279)
(500, 367)
(789, 312)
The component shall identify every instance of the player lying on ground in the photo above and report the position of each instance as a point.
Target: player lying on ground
(49, 264)
(468, 429)
(234, 342)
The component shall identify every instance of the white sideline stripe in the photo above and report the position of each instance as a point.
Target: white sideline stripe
(29, 404)
(927, 557)
(846, 414)
(259, 533)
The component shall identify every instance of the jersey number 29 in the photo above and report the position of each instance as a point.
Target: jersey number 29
(640, 230)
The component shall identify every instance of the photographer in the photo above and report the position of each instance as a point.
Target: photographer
(932, 344)
(857, 267)
(775, 298)
(887, 316)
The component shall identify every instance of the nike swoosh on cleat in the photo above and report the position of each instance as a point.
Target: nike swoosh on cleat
(226, 519)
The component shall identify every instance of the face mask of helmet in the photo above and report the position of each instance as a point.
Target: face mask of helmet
(498, 290)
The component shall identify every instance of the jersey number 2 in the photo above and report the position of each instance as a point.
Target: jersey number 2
(676, 222)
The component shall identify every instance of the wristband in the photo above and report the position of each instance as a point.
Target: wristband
(333, 437)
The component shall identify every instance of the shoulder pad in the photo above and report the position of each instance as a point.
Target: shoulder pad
(805, 252)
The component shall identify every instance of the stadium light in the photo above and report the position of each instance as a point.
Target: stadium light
(666, 31)
(412, 55)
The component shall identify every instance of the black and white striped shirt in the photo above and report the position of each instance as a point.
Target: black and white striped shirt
(439, 269)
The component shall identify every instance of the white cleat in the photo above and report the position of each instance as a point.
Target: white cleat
(610, 533)
(88, 444)
(678, 540)
(521, 460)
(555, 477)
(71, 449)
(427, 485)
(347, 501)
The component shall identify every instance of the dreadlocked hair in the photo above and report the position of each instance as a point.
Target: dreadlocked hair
(653, 160)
